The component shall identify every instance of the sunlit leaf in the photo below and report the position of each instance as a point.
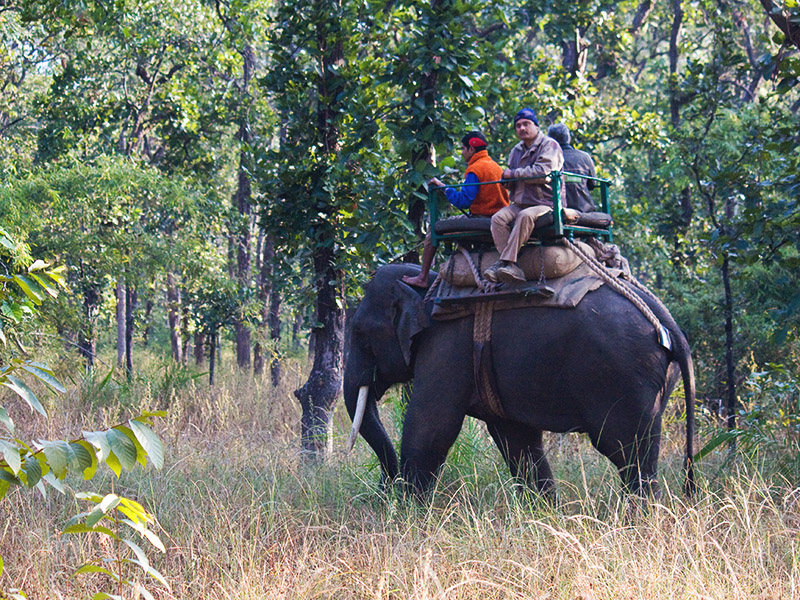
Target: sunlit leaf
(11, 454)
(58, 454)
(24, 392)
(123, 448)
(149, 441)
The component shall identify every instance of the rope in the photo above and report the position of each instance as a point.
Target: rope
(610, 255)
(600, 270)
(482, 335)
(483, 285)
(433, 287)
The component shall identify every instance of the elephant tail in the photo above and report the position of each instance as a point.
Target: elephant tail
(683, 356)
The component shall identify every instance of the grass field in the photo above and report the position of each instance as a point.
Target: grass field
(244, 516)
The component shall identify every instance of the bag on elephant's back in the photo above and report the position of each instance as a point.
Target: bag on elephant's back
(558, 261)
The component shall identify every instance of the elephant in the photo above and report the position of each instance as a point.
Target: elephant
(597, 368)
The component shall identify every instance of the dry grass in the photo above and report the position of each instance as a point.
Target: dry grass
(245, 517)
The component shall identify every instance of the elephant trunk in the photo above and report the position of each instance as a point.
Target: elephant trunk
(361, 406)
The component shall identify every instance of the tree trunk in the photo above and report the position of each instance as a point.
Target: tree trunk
(148, 321)
(199, 348)
(212, 353)
(270, 301)
(263, 286)
(318, 395)
(120, 294)
(130, 306)
(275, 334)
(674, 38)
(86, 338)
(297, 325)
(789, 27)
(730, 364)
(243, 203)
(173, 310)
(185, 337)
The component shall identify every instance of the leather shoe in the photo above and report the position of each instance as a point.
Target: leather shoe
(510, 273)
(490, 274)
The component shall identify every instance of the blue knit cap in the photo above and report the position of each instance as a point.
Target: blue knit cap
(526, 113)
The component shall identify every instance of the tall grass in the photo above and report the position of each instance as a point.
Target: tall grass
(245, 516)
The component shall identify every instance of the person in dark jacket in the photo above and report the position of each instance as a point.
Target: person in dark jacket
(575, 161)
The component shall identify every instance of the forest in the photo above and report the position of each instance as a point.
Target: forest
(193, 195)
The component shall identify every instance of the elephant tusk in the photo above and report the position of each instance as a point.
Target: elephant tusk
(359, 416)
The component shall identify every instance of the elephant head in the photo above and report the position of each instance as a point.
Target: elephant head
(380, 353)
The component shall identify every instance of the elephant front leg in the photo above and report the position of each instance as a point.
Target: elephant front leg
(522, 448)
(428, 435)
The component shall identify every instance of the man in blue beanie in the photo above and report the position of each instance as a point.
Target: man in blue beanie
(529, 163)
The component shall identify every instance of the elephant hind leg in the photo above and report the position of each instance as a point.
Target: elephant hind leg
(635, 459)
(522, 448)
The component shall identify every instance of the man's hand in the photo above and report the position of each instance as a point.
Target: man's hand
(435, 182)
(508, 174)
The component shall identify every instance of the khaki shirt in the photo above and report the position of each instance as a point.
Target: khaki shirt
(543, 156)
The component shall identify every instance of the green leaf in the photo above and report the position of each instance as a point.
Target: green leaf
(27, 285)
(11, 455)
(54, 482)
(37, 265)
(134, 511)
(106, 379)
(141, 454)
(83, 528)
(717, 440)
(25, 393)
(90, 568)
(140, 555)
(149, 441)
(146, 533)
(49, 289)
(113, 463)
(100, 442)
(33, 472)
(153, 573)
(6, 421)
(58, 454)
(82, 457)
(140, 589)
(123, 448)
(105, 596)
(43, 374)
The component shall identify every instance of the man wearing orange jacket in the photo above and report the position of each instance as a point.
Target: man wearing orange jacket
(481, 200)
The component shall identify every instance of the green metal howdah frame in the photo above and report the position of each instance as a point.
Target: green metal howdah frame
(557, 230)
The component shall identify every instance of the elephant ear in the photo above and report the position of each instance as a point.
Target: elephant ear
(409, 317)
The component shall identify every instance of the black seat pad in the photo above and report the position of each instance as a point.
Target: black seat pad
(595, 220)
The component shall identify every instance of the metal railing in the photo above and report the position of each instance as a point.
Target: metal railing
(559, 228)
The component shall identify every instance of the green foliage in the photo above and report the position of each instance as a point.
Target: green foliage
(768, 430)
(42, 463)
(110, 517)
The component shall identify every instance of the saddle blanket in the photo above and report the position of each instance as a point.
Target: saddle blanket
(455, 302)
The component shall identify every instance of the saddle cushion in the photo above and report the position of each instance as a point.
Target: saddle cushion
(558, 261)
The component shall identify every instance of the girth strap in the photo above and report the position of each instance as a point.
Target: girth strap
(482, 359)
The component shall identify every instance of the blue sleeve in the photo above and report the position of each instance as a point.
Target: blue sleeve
(464, 197)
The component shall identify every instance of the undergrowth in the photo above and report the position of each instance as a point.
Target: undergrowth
(245, 516)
